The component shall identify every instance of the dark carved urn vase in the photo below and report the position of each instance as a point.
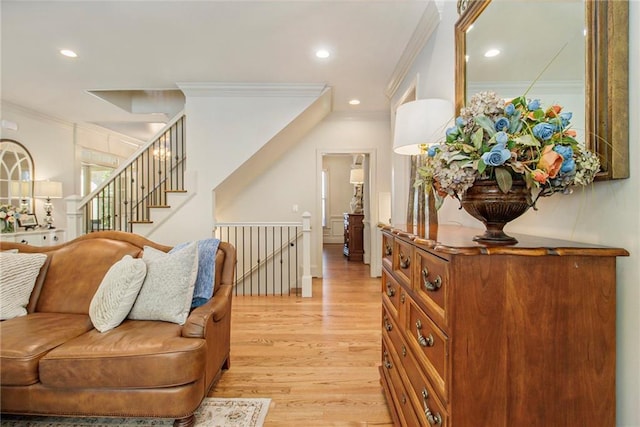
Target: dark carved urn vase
(488, 204)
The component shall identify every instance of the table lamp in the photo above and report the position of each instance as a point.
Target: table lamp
(419, 124)
(48, 190)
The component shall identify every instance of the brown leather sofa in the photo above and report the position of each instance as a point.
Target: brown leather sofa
(53, 362)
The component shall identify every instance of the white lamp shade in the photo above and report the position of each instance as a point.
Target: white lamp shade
(420, 123)
(47, 189)
(21, 189)
(356, 176)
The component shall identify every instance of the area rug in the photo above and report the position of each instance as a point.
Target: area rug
(213, 412)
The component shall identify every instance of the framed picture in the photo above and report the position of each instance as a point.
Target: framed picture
(28, 221)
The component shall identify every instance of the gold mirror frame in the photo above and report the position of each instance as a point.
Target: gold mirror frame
(606, 78)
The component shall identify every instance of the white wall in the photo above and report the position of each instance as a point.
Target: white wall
(606, 213)
(223, 132)
(295, 178)
(340, 192)
(54, 145)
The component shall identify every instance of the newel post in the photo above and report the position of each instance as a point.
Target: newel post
(74, 217)
(306, 254)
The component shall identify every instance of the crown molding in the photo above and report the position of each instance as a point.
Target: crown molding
(426, 26)
(35, 114)
(88, 127)
(252, 89)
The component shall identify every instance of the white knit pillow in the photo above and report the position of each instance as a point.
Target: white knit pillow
(117, 293)
(18, 273)
(168, 288)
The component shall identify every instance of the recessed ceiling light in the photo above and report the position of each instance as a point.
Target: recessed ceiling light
(491, 53)
(322, 53)
(354, 102)
(69, 53)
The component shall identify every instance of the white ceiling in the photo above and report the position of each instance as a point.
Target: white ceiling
(152, 45)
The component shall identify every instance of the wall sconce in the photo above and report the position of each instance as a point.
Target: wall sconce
(48, 190)
(356, 177)
(419, 124)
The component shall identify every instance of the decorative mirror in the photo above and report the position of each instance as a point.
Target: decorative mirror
(16, 175)
(571, 52)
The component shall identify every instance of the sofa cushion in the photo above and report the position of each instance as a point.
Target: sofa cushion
(26, 339)
(168, 287)
(136, 354)
(75, 272)
(18, 273)
(203, 289)
(117, 293)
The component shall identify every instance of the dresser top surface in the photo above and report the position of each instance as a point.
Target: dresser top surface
(457, 240)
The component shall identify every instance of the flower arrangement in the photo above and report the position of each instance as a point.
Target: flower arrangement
(8, 216)
(506, 141)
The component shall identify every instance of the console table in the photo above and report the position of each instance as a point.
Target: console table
(500, 336)
(353, 237)
(40, 237)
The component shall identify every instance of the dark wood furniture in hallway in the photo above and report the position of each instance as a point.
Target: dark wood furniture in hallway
(354, 236)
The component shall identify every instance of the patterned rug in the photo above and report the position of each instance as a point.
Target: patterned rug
(213, 412)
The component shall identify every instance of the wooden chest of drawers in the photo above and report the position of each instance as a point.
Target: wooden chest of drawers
(353, 237)
(508, 336)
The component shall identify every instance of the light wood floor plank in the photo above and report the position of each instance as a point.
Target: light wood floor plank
(316, 358)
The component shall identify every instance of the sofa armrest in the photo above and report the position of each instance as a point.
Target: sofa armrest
(215, 309)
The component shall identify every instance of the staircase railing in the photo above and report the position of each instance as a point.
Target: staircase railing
(273, 257)
(156, 169)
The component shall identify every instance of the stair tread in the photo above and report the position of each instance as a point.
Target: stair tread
(145, 221)
(159, 206)
(175, 191)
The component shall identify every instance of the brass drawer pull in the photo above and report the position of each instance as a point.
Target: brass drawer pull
(387, 364)
(424, 341)
(387, 249)
(404, 351)
(402, 298)
(390, 291)
(434, 419)
(437, 283)
(405, 262)
(387, 325)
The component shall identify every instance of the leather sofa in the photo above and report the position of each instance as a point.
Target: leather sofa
(53, 362)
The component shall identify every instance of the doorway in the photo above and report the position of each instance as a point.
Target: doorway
(337, 195)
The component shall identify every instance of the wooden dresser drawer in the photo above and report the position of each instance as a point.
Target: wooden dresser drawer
(426, 402)
(392, 376)
(391, 292)
(402, 259)
(430, 345)
(387, 251)
(431, 284)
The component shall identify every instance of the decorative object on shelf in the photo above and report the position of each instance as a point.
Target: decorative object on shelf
(356, 177)
(28, 221)
(48, 190)
(8, 216)
(418, 125)
(505, 143)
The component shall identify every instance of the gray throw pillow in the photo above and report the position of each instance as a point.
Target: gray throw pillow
(168, 287)
(117, 292)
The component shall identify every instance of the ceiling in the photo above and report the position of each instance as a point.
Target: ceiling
(142, 48)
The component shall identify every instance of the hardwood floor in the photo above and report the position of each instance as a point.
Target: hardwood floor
(316, 358)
